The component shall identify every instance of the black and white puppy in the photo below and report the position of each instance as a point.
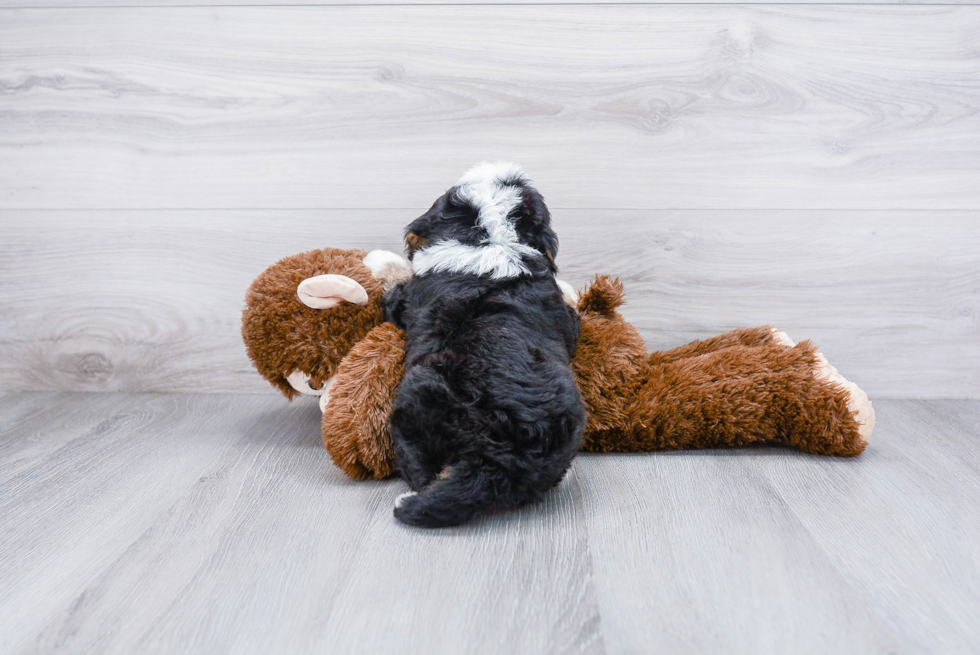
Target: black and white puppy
(487, 415)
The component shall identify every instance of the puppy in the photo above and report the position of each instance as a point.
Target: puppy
(487, 415)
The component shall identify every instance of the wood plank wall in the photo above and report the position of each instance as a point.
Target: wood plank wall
(813, 166)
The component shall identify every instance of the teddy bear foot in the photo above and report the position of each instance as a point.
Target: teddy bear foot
(780, 337)
(857, 402)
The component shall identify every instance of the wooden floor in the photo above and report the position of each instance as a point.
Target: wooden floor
(197, 523)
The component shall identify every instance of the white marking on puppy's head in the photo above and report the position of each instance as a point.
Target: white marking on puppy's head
(493, 190)
(496, 260)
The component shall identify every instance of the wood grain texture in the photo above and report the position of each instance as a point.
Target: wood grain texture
(151, 300)
(516, 583)
(696, 553)
(202, 524)
(902, 524)
(215, 523)
(892, 298)
(618, 106)
(728, 551)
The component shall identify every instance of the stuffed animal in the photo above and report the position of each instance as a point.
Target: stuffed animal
(314, 325)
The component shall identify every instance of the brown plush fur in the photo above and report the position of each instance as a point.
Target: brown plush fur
(282, 334)
(736, 389)
(756, 336)
(355, 425)
(735, 396)
(610, 356)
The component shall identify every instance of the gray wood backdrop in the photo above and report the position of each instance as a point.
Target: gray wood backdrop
(812, 166)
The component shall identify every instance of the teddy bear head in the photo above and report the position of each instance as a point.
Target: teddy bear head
(304, 313)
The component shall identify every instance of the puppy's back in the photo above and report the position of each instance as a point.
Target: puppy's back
(489, 403)
(487, 415)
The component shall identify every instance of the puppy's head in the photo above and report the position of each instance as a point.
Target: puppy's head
(487, 224)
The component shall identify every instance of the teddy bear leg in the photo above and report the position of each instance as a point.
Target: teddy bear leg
(769, 394)
(755, 336)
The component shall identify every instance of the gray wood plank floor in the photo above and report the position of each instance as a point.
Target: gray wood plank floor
(215, 523)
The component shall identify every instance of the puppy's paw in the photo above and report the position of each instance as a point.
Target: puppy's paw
(401, 499)
(857, 402)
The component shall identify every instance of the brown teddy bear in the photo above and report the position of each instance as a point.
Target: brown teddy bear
(314, 325)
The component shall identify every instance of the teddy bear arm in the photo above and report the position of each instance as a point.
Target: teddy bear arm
(355, 419)
(741, 395)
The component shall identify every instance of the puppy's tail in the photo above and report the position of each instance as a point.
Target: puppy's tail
(467, 490)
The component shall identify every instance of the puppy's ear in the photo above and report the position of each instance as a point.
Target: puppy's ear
(535, 226)
(326, 291)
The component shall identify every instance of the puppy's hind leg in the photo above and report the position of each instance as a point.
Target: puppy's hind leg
(456, 498)
(415, 463)
(424, 420)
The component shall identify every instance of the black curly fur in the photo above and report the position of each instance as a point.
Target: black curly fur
(487, 415)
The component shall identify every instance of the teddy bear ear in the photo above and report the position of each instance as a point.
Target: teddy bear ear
(326, 291)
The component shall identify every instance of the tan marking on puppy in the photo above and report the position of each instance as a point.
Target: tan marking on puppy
(415, 242)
